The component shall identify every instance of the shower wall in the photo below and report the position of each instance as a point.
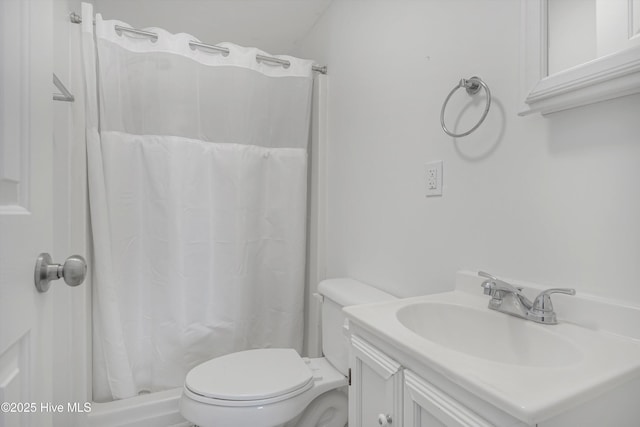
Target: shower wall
(551, 200)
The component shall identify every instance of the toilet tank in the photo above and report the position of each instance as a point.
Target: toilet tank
(339, 293)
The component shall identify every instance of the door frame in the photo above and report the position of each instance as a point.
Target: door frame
(71, 306)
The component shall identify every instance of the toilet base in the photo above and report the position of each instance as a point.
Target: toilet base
(330, 409)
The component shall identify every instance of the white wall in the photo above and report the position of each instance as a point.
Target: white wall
(553, 200)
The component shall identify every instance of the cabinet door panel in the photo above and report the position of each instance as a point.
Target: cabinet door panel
(426, 405)
(376, 396)
(376, 387)
(422, 418)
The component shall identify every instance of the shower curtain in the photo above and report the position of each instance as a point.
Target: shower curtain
(197, 180)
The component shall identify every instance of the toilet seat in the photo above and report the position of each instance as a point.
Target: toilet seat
(250, 377)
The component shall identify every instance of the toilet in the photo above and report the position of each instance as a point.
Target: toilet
(275, 386)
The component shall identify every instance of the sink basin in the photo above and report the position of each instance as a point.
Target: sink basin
(488, 335)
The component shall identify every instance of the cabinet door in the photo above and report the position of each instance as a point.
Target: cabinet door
(427, 406)
(375, 394)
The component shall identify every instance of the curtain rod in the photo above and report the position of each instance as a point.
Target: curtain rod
(322, 69)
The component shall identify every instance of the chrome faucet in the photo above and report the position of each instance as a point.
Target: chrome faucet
(509, 299)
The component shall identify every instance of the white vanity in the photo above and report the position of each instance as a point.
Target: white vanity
(448, 360)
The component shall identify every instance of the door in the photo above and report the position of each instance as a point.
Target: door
(26, 216)
(375, 394)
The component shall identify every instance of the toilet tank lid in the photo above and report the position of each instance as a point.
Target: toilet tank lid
(346, 291)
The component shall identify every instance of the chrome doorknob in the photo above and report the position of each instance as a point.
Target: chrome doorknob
(384, 420)
(74, 270)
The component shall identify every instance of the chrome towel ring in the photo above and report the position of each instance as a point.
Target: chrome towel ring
(472, 86)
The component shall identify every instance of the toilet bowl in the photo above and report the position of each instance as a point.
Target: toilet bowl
(275, 386)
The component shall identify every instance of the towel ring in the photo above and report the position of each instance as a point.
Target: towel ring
(472, 86)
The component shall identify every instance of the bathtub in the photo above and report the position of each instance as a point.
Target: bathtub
(149, 410)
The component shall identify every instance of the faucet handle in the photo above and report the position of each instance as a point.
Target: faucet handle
(494, 284)
(542, 309)
(486, 275)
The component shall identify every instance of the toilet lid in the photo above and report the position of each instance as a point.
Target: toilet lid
(250, 375)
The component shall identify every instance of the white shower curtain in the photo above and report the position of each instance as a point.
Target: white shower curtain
(197, 176)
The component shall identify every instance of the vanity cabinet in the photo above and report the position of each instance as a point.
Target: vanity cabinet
(375, 394)
(447, 360)
(384, 392)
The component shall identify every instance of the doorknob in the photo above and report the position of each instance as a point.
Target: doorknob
(73, 271)
(384, 419)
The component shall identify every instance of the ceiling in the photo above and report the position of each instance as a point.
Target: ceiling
(271, 25)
